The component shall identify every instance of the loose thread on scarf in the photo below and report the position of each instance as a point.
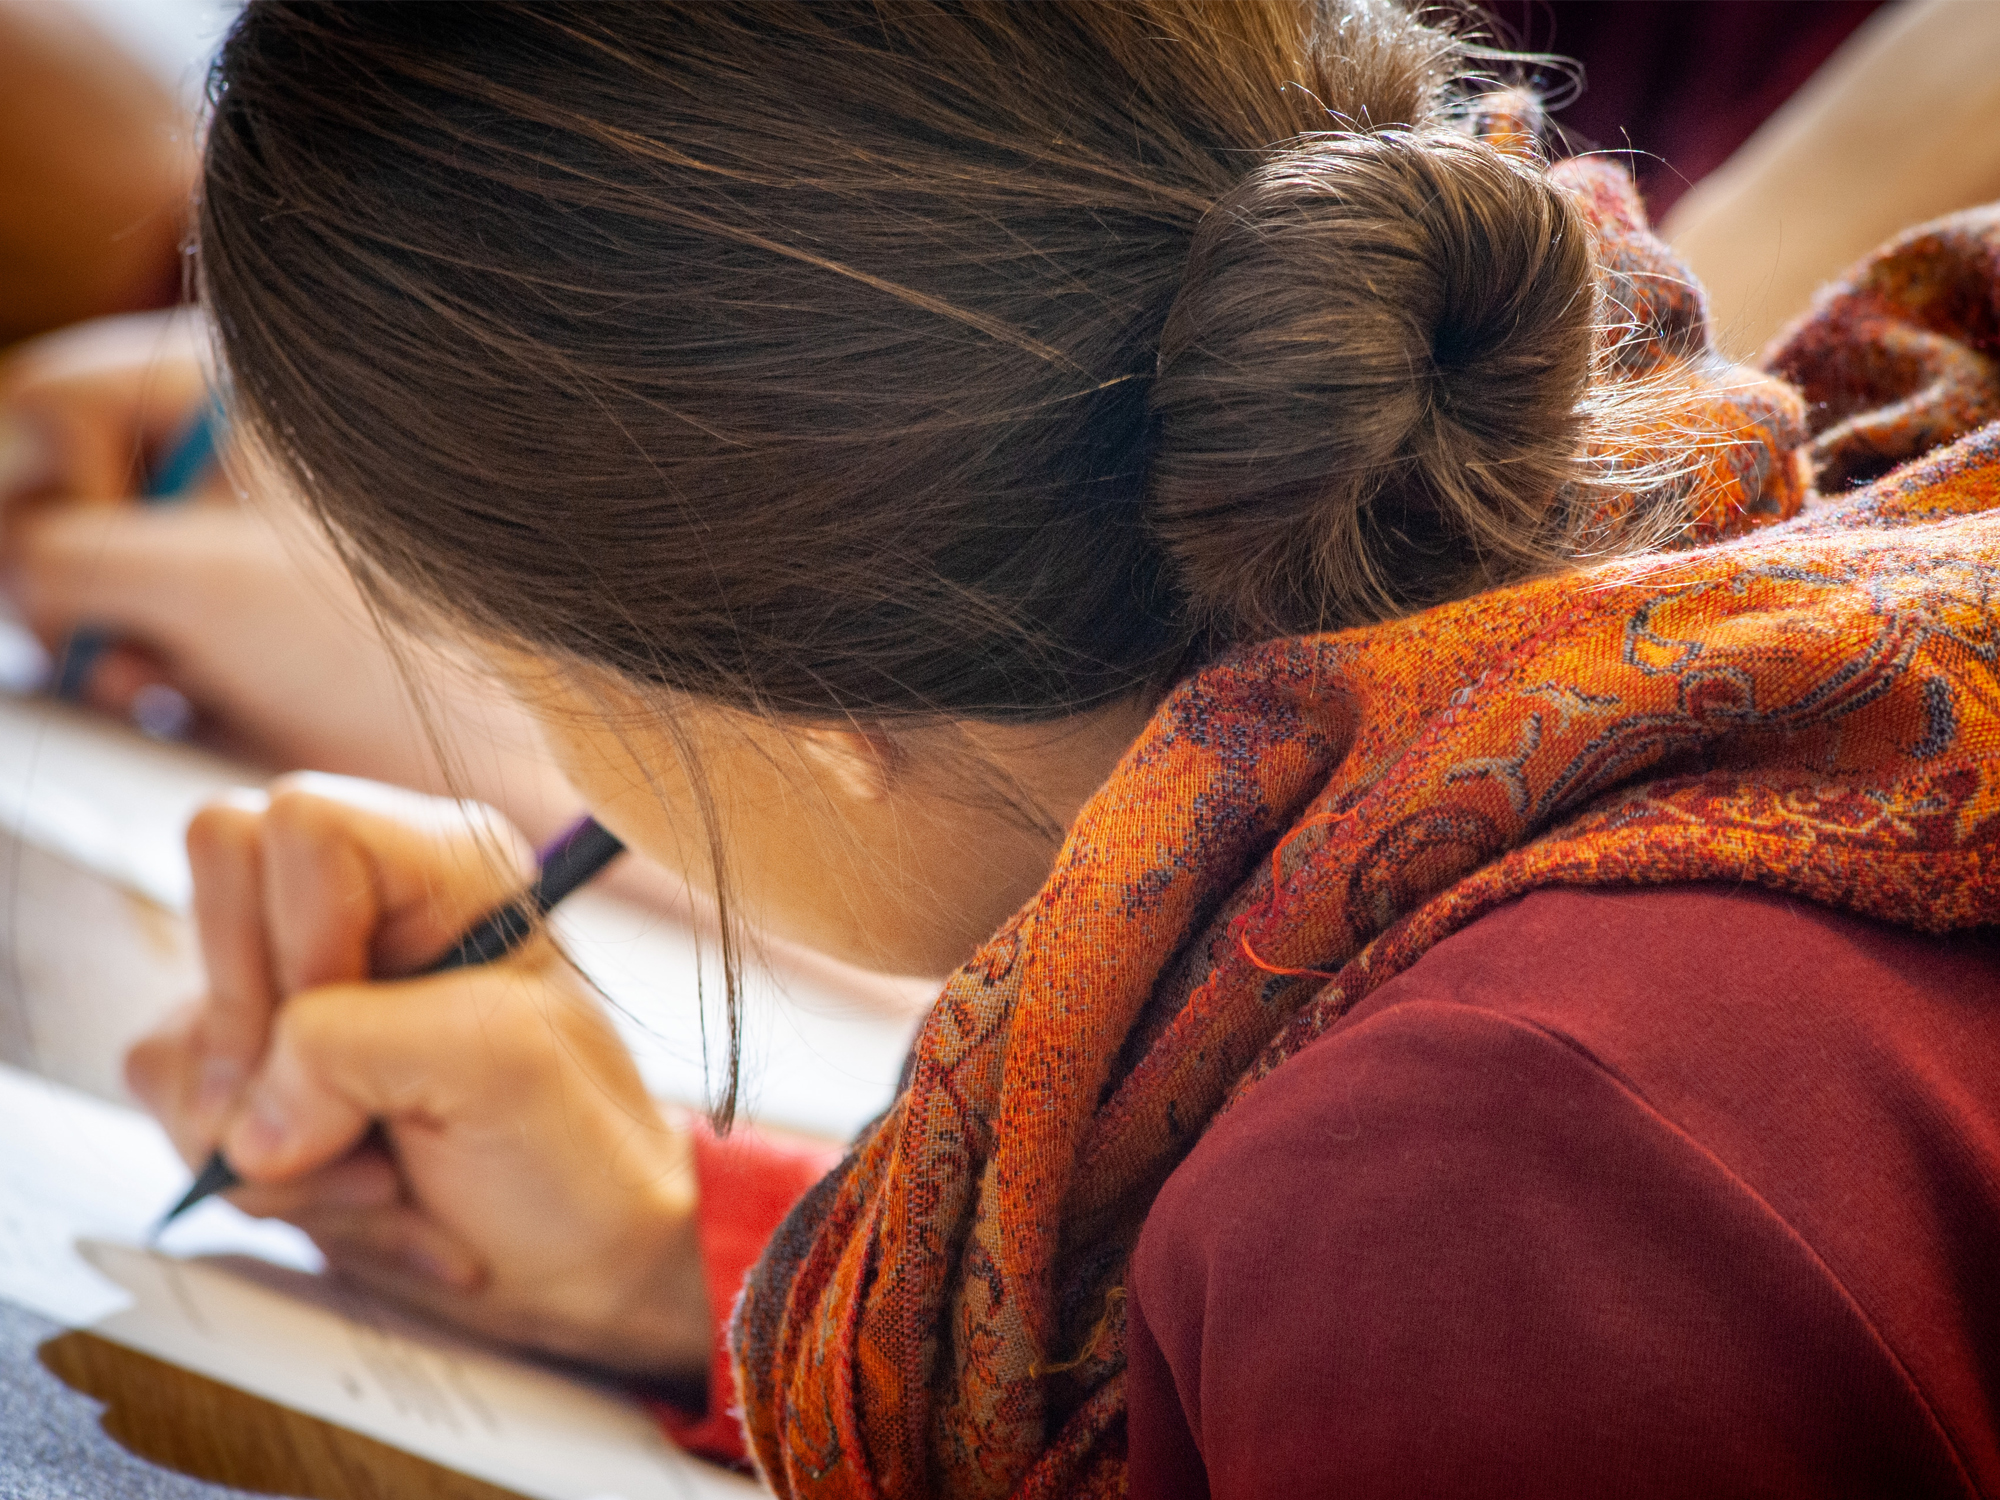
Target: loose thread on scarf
(1113, 1300)
(1240, 928)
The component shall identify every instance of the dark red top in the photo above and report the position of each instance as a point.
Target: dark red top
(1692, 1192)
(1676, 1193)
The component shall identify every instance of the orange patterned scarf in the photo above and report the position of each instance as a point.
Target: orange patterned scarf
(1811, 707)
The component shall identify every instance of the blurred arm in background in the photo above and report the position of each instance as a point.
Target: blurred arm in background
(96, 163)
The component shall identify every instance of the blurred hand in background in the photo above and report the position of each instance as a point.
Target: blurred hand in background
(235, 604)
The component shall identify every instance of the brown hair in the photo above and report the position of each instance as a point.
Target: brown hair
(1370, 388)
(873, 360)
(810, 357)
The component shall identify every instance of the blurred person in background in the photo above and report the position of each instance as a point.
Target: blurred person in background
(96, 165)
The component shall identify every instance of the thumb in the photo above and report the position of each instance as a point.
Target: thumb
(471, 1049)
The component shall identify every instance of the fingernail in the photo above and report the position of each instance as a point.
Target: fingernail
(264, 1128)
(221, 1080)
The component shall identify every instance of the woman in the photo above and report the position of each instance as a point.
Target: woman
(1136, 506)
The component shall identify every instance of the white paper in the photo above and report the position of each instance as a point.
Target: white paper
(237, 1300)
(298, 1340)
(25, 666)
(74, 1166)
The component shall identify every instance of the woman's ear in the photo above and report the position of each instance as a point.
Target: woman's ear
(863, 764)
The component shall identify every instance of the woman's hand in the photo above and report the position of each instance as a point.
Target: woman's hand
(248, 618)
(523, 1184)
(84, 410)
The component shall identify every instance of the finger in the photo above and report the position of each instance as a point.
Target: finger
(66, 449)
(146, 572)
(135, 359)
(84, 446)
(226, 855)
(100, 396)
(27, 457)
(364, 1179)
(398, 1250)
(101, 564)
(477, 1048)
(160, 1069)
(319, 891)
(432, 867)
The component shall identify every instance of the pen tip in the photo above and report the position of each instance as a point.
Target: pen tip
(215, 1176)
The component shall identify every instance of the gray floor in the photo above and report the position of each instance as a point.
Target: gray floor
(50, 1444)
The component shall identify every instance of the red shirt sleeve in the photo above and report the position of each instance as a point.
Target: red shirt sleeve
(747, 1183)
(1694, 1217)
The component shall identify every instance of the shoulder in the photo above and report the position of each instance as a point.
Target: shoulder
(1650, 1187)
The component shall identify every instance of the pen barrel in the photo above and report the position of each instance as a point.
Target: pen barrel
(499, 933)
(569, 860)
(566, 863)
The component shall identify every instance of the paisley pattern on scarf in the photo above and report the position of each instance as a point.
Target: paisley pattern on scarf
(1813, 707)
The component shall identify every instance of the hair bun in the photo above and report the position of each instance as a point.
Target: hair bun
(1369, 384)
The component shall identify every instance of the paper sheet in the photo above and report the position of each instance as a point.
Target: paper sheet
(74, 1166)
(237, 1300)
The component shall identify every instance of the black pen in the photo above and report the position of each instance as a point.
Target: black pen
(567, 862)
(190, 458)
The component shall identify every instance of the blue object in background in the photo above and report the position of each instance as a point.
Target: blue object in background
(174, 479)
